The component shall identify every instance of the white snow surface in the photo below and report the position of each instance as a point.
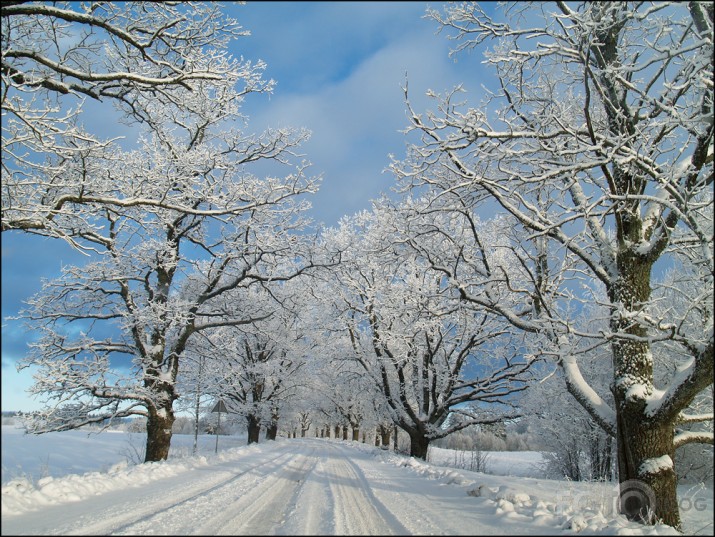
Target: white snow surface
(300, 486)
(655, 465)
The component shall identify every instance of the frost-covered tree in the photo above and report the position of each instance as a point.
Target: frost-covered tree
(573, 445)
(439, 367)
(596, 140)
(346, 394)
(260, 366)
(301, 409)
(134, 56)
(197, 394)
(144, 302)
(163, 274)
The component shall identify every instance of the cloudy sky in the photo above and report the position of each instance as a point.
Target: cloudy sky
(339, 68)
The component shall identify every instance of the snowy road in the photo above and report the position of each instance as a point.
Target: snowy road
(307, 486)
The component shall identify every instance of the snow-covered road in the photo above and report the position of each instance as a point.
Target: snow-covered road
(306, 486)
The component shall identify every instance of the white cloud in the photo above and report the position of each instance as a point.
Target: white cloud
(356, 121)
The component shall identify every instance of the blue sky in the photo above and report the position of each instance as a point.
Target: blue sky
(339, 68)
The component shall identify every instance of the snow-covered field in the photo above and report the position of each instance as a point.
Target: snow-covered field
(503, 463)
(70, 482)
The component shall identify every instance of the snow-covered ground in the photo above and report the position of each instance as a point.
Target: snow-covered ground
(72, 483)
(503, 463)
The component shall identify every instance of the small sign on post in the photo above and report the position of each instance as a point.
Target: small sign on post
(218, 407)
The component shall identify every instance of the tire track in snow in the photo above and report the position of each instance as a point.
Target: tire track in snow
(268, 504)
(145, 516)
(413, 502)
(314, 505)
(357, 510)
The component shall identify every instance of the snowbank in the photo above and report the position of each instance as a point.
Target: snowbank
(20, 495)
(584, 507)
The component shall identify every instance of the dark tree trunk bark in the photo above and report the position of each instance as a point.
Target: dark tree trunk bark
(158, 433)
(345, 432)
(160, 419)
(646, 472)
(254, 428)
(418, 445)
(356, 434)
(385, 436)
(646, 454)
(272, 429)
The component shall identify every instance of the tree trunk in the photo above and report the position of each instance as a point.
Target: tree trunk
(646, 472)
(419, 445)
(272, 429)
(601, 456)
(337, 432)
(356, 434)
(254, 428)
(158, 433)
(572, 460)
(345, 432)
(385, 436)
(197, 407)
(646, 454)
